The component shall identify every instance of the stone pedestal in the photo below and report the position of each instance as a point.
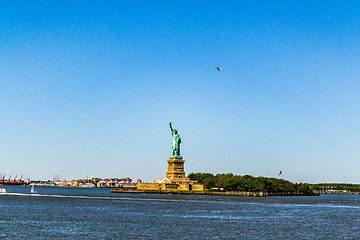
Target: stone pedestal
(175, 168)
(175, 180)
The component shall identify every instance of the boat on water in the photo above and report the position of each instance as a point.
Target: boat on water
(2, 190)
(16, 182)
(33, 189)
(13, 181)
(10, 181)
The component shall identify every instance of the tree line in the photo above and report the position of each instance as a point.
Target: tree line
(336, 186)
(247, 183)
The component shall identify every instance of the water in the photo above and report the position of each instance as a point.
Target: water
(95, 213)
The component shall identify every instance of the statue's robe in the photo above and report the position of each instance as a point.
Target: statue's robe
(176, 140)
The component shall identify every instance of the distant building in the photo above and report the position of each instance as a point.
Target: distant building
(98, 182)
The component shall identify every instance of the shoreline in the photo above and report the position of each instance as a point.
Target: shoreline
(229, 193)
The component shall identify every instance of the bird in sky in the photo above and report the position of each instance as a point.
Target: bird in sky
(219, 69)
(280, 172)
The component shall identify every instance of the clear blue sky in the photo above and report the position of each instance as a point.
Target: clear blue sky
(88, 88)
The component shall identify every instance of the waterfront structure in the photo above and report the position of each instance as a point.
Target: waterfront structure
(10, 181)
(175, 179)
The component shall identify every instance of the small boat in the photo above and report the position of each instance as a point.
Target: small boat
(2, 190)
(33, 190)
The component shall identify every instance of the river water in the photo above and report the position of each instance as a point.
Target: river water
(95, 213)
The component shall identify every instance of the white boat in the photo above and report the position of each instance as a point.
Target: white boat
(2, 190)
(33, 190)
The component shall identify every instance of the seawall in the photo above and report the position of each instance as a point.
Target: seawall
(246, 194)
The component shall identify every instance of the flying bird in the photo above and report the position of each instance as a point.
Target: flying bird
(280, 172)
(219, 69)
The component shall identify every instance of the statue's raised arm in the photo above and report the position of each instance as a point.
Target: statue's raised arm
(171, 127)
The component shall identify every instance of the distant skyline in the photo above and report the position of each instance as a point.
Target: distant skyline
(89, 88)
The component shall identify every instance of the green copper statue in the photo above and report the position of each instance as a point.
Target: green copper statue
(176, 140)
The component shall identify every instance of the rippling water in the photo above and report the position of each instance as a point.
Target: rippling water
(95, 213)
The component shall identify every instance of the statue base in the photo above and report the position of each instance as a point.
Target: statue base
(175, 180)
(175, 168)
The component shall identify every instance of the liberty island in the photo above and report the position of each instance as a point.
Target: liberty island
(176, 182)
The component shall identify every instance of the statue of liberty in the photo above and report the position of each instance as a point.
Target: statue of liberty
(176, 140)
